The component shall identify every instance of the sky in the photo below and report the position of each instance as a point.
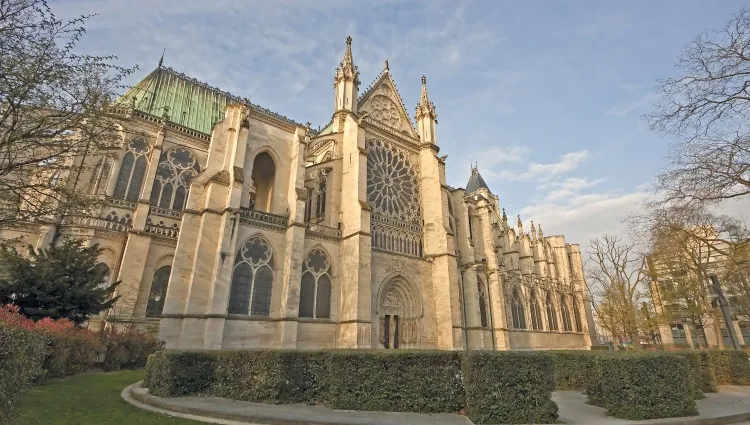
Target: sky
(546, 96)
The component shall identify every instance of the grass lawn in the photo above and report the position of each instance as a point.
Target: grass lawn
(88, 400)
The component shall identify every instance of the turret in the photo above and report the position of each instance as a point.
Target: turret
(426, 117)
(346, 82)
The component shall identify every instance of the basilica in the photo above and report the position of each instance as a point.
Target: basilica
(231, 226)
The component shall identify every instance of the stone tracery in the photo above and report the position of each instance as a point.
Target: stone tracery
(385, 111)
(392, 185)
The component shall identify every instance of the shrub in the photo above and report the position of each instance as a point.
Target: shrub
(702, 370)
(181, 373)
(730, 367)
(396, 381)
(509, 387)
(641, 386)
(21, 355)
(573, 369)
(127, 350)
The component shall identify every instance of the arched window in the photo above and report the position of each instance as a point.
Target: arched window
(320, 208)
(516, 308)
(132, 170)
(565, 313)
(551, 316)
(536, 312)
(308, 204)
(176, 169)
(100, 177)
(264, 173)
(315, 292)
(106, 278)
(158, 292)
(252, 279)
(577, 316)
(483, 316)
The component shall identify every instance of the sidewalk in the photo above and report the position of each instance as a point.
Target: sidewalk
(730, 405)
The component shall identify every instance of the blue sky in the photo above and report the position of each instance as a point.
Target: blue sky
(546, 96)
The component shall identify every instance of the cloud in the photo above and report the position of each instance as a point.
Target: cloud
(537, 171)
(562, 189)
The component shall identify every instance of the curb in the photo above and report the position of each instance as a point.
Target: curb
(277, 415)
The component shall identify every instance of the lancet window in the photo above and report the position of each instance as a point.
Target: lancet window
(158, 293)
(551, 316)
(177, 167)
(320, 206)
(577, 316)
(517, 310)
(315, 291)
(536, 312)
(483, 310)
(252, 279)
(565, 313)
(100, 177)
(132, 170)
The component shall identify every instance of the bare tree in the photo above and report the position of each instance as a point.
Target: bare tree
(707, 108)
(52, 110)
(616, 280)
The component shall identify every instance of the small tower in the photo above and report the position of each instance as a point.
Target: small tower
(426, 117)
(476, 182)
(346, 82)
(519, 226)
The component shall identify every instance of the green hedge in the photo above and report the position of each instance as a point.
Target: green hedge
(21, 356)
(503, 387)
(730, 367)
(509, 387)
(704, 379)
(574, 369)
(641, 386)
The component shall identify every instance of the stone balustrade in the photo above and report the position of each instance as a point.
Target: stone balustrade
(97, 223)
(394, 236)
(164, 212)
(321, 231)
(263, 219)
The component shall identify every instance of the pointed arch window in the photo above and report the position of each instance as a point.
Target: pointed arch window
(177, 168)
(252, 279)
(536, 312)
(565, 313)
(315, 291)
(100, 177)
(577, 316)
(132, 170)
(158, 293)
(320, 205)
(551, 316)
(483, 310)
(308, 204)
(517, 310)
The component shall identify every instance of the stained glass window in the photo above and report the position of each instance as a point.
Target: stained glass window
(536, 312)
(577, 316)
(483, 316)
(252, 279)
(315, 291)
(176, 169)
(551, 316)
(392, 184)
(158, 292)
(565, 313)
(517, 311)
(132, 170)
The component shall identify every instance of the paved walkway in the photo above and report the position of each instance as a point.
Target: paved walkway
(730, 405)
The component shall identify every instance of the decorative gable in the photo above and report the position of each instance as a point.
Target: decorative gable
(383, 104)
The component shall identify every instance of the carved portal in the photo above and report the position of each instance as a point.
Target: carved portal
(399, 314)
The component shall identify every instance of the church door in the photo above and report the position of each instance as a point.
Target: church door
(399, 311)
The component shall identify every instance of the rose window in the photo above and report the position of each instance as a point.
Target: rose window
(392, 186)
(385, 111)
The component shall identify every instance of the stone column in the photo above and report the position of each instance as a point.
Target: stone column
(356, 309)
(494, 281)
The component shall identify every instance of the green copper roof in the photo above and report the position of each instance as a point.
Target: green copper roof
(188, 102)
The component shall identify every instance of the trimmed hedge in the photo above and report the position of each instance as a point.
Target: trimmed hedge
(641, 386)
(574, 370)
(704, 379)
(730, 367)
(21, 356)
(509, 387)
(502, 387)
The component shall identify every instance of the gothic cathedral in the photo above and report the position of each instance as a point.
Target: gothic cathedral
(231, 226)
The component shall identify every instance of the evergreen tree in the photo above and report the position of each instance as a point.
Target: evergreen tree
(63, 281)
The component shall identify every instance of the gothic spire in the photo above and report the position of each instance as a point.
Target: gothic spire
(541, 234)
(425, 107)
(505, 217)
(519, 226)
(346, 69)
(533, 231)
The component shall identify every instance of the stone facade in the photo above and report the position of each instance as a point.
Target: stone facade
(269, 234)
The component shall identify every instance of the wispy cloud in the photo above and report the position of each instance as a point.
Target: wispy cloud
(538, 171)
(623, 109)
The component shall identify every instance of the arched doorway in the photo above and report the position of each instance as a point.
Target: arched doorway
(264, 172)
(399, 312)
